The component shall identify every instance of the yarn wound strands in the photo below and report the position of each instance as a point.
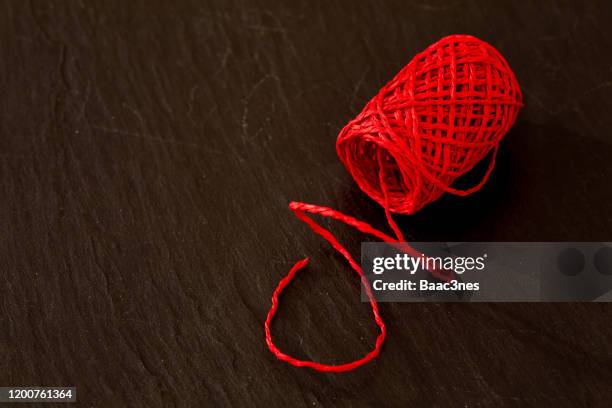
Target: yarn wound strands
(442, 114)
(435, 120)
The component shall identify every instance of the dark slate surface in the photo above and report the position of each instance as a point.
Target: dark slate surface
(148, 150)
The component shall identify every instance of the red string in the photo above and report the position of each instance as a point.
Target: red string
(299, 209)
(441, 114)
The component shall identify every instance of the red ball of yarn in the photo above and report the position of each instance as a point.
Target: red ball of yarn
(440, 115)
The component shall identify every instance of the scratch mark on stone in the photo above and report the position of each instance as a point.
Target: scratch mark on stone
(246, 100)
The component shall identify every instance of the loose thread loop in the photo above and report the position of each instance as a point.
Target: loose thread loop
(300, 209)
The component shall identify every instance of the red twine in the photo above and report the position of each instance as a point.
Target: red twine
(441, 114)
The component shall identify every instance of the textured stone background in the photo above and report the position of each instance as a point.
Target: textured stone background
(148, 150)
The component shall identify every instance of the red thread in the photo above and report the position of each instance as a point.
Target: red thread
(442, 113)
